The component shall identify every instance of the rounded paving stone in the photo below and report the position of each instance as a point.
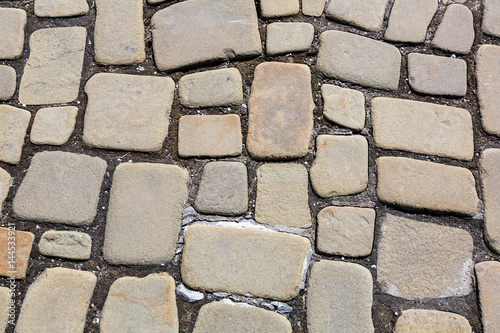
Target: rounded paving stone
(425, 321)
(12, 23)
(65, 244)
(285, 37)
(455, 33)
(490, 180)
(488, 280)
(8, 81)
(13, 125)
(53, 126)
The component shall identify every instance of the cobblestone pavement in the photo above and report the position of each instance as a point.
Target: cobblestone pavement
(250, 166)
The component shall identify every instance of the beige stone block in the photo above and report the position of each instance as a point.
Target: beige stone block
(343, 106)
(53, 126)
(491, 18)
(368, 15)
(61, 8)
(278, 8)
(424, 321)
(489, 167)
(65, 244)
(455, 33)
(4, 306)
(285, 37)
(8, 82)
(488, 87)
(15, 245)
(488, 280)
(5, 183)
(313, 7)
(13, 125)
(12, 23)
(409, 20)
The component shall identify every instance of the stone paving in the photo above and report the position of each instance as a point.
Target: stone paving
(250, 166)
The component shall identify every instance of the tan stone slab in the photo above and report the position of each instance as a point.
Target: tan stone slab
(242, 261)
(285, 37)
(13, 125)
(144, 216)
(491, 18)
(8, 82)
(280, 111)
(19, 241)
(339, 298)
(12, 23)
(53, 126)
(282, 195)
(343, 106)
(368, 15)
(490, 183)
(65, 244)
(278, 8)
(455, 33)
(313, 7)
(488, 87)
(409, 20)
(61, 8)
(4, 306)
(422, 128)
(57, 302)
(488, 280)
(425, 321)
(5, 183)
(420, 185)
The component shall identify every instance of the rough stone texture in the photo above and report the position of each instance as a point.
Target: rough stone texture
(8, 81)
(411, 184)
(119, 32)
(54, 68)
(357, 59)
(23, 244)
(491, 17)
(488, 280)
(239, 318)
(60, 8)
(5, 182)
(423, 128)
(456, 30)
(141, 305)
(13, 125)
(128, 112)
(242, 261)
(488, 87)
(280, 111)
(343, 106)
(210, 135)
(4, 307)
(65, 244)
(282, 195)
(425, 321)
(285, 37)
(368, 15)
(339, 298)
(423, 260)
(345, 231)
(223, 189)
(60, 187)
(220, 87)
(340, 166)
(453, 1)
(12, 23)
(313, 7)
(278, 8)
(53, 126)
(200, 31)
(57, 302)
(490, 183)
(144, 192)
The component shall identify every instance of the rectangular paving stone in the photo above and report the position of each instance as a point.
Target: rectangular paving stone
(243, 261)
(285, 37)
(420, 185)
(60, 8)
(345, 107)
(13, 125)
(424, 321)
(8, 82)
(488, 87)
(491, 17)
(65, 244)
(422, 128)
(313, 7)
(488, 280)
(53, 126)
(19, 241)
(368, 15)
(278, 8)
(456, 32)
(489, 167)
(12, 23)
(5, 182)
(4, 306)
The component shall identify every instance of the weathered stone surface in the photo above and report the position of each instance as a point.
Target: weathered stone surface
(12, 23)
(313, 7)
(282, 195)
(453, 1)
(424, 260)
(455, 33)
(201, 31)
(488, 87)
(280, 111)
(60, 8)
(262, 263)
(490, 182)
(141, 305)
(491, 17)
(423, 185)
(5, 182)
(128, 112)
(343, 106)
(357, 59)
(488, 280)
(424, 321)
(339, 298)
(8, 81)
(119, 32)
(220, 87)
(13, 125)
(54, 68)
(423, 128)
(4, 306)
(57, 301)
(210, 135)
(23, 244)
(53, 126)
(144, 192)
(340, 166)
(278, 8)
(285, 37)
(368, 15)
(409, 20)
(60, 187)
(65, 244)
(223, 189)
(239, 318)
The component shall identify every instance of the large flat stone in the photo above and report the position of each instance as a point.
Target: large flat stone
(5, 183)
(488, 87)
(490, 182)
(12, 23)
(343, 106)
(368, 15)
(455, 33)
(22, 242)
(53, 126)
(488, 280)
(65, 244)
(8, 82)
(13, 125)
(313, 7)
(60, 8)
(285, 37)
(4, 306)
(424, 321)
(278, 8)
(491, 18)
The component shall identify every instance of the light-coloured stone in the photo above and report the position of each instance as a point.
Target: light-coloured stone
(128, 112)
(490, 183)
(491, 17)
(262, 263)
(12, 23)
(141, 305)
(19, 241)
(285, 37)
(313, 7)
(368, 15)
(488, 280)
(280, 120)
(4, 307)
(453, 1)
(409, 20)
(282, 195)
(8, 81)
(65, 244)
(419, 260)
(488, 87)
(349, 57)
(421, 185)
(425, 321)
(60, 187)
(343, 106)
(53, 126)
(339, 298)
(13, 125)
(57, 302)
(144, 216)
(278, 8)
(5, 183)
(61, 8)
(423, 128)
(455, 33)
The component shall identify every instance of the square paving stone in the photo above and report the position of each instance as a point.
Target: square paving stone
(65, 244)
(22, 241)
(488, 87)
(53, 126)
(343, 106)
(8, 82)
(455, 33)
(60, 8)
(491, 17)
(5, 182)
(490, 180)
(425, 321)
(278, 8)
(4, 305)
(285, 37)
(12, 23)
(313, 7)
(368, 15)
(13, 125)
(488, 280)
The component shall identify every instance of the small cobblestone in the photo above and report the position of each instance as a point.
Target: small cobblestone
(5, 183)
(12, 23)
(490, 181)
(424, 321)
(456, 31)
(343, 106)
(53, 126)
(278, 8)
(8, 81)
(488, 280)
(313, 7)
(60, 8)
(13, 125)
(285, 37)
(4, 305)
(488, 87)
(65, 244)
(24, 243)
(367, 15)
(491, 17)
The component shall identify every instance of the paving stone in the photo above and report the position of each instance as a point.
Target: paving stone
(280, 111)
(223, 189)
(282, 195)
(141, 192)
(155, 2)
(201, 31)
(490, 183)
(340, 166)
(210, 135)
(60, 187)
(345, 231)
(119, 32)
(278, 8)
(423, 128)
(313, 7)
(4, 306)
(453, 1)
(57, 301)
(65, 244)
(61, 8)
(141, 305)
(339, 298)
(419, 260)
(357, 59)
(239, 318)
(488, 280)
(8, 81)
(128, 112)
(23, 244)
(220, 87)
(488, 87)
(424, 321)
(343, 106)
(242, 261)
(491, 17)
(13, 125)
(410, 183)
(285, 37)
(367, 15)
(53, 126)
(5, 182)
(409, 20)
(12, 23)
(54, 68)
(455, 33)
